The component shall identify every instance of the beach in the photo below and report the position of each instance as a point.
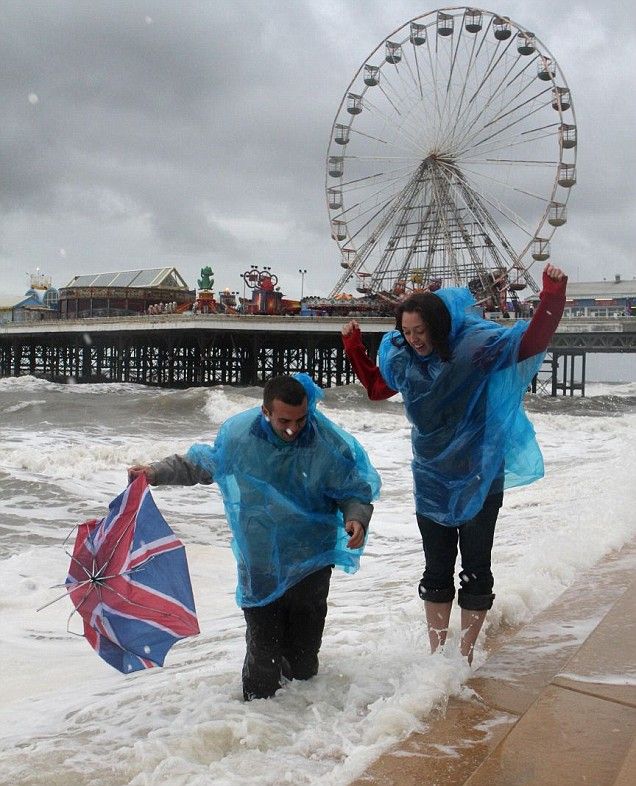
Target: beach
(65, 450)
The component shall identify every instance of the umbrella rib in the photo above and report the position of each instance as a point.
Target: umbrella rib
(66, 594)
(114, 549)
(74, 559)
(75, 611)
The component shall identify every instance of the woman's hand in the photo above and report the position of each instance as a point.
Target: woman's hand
(555, 273)
(350, 328)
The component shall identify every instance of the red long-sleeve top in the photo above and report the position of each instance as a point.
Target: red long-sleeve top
(536, 339)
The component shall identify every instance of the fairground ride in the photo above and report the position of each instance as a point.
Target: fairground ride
(451, 159)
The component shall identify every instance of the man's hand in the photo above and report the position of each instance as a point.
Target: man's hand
(356, 531)
(141, 469)
(350, 327)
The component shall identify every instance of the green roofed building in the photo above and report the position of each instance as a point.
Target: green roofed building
(124, 293)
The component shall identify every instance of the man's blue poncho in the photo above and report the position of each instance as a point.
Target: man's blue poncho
(470, 434)
(280, 498)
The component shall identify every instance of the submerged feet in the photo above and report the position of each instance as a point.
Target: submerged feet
(437, 622)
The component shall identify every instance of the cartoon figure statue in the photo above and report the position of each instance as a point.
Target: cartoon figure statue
(207, 278)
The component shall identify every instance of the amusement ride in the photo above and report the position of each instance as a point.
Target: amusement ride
(451, 159)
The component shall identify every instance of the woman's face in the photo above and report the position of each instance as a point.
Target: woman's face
(416, 333)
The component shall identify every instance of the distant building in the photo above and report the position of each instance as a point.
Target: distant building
(124, 293)
(599, 298)
(40, 302)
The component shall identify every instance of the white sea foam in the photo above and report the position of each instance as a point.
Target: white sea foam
(186, 725)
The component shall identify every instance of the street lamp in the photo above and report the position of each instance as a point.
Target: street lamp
(303, 273)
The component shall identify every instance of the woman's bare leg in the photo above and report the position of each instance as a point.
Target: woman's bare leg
(471, 622)
(437, 619)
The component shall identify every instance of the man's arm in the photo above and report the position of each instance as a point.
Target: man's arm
(366, 370)
(174, 470)
(548, 314)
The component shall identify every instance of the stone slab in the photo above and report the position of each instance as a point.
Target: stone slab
(605, 665)
(513, 677)
(565, 739)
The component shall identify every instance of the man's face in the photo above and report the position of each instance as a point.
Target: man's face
(286, 420)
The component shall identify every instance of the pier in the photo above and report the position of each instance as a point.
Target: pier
(175, 350)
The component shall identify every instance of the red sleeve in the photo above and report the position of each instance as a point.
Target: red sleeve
(366, 370)
(545, 319)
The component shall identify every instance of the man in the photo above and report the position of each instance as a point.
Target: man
(297, 492)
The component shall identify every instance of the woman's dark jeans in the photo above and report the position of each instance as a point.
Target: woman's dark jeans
(475, 538)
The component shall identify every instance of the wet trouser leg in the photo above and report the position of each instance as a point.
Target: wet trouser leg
(263, 634)
(475, 539)
(290, 627)
(306, 610)
(475, 547)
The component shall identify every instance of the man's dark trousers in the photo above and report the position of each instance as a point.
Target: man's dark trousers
(288, 629)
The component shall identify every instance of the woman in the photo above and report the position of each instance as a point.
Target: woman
(462, 380)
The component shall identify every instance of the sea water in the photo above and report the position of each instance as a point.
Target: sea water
(66, 717)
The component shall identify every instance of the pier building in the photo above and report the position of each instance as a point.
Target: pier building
(124, 293)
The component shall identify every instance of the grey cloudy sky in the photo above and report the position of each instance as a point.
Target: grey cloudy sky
(143, 133)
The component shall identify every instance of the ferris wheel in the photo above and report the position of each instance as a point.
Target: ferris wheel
(451, 157)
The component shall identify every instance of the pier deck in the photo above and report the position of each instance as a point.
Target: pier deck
(209, 349)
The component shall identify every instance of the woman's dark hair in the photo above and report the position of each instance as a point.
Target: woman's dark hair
(285, 389)
(435, 316)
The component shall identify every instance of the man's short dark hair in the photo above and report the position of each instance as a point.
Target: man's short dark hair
(285, 389)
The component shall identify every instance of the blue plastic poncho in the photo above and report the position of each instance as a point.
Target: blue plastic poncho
(470, 434)
(280, 498)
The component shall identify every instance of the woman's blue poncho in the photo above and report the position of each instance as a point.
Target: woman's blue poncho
(470, 434)
(280, 498)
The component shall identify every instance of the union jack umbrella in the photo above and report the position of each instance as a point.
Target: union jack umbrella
(129, 581)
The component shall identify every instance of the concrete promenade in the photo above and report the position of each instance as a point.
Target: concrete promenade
(554, 705)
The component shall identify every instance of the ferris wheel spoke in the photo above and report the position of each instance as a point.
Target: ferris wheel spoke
(402, 93)
(494, 60)
(511, 217)
(403, 82)
(409, 127)
(503, 184)
(487, 104)
(518, 108)
(497, 205)
(350, 213)
(507, 143)
(433, 71)
(417, 70)
(499, 131)
(370, 137)
(395, 197)
(456, 114)
(400, 131)
(386, 177)
(474, 63)
(488, 226)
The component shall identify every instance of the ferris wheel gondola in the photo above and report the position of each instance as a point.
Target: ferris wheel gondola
(452, 154)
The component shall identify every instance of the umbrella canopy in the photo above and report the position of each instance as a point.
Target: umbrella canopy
(129, 581)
